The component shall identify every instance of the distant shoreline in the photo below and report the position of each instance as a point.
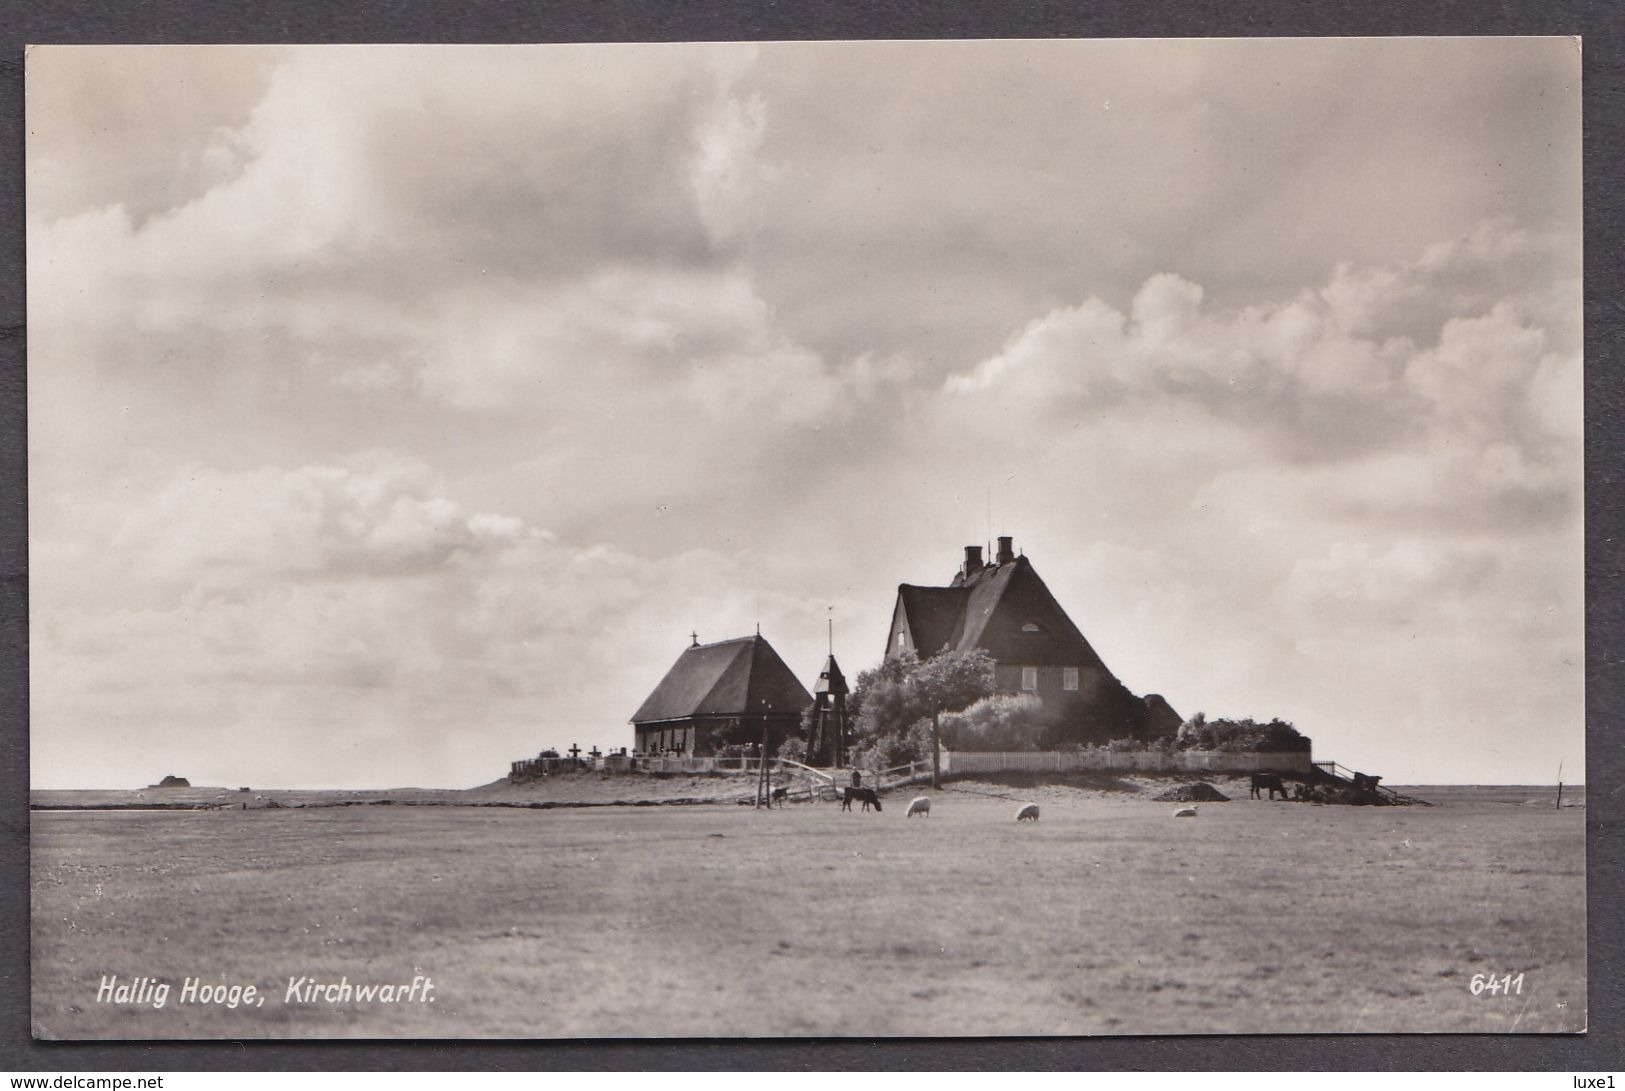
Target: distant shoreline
(597, 791)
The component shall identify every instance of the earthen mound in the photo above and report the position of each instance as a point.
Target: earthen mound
(1200, 792)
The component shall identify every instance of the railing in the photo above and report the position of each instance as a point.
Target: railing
(800, 779)
(899, 775)
(1344, 773)
(816, 783)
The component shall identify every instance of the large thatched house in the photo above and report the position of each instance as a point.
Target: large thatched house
(722, 694)
(1004, 608)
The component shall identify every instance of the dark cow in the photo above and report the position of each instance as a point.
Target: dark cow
(1270, 782)
(865, 796)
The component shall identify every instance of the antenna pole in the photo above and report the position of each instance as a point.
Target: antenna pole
(1560, 785)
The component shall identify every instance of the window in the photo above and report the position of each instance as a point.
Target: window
(1069, 679)
(900, 640)
(1029, 679)
(1031, 627)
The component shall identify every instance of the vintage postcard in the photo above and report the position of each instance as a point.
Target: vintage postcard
(806, 539)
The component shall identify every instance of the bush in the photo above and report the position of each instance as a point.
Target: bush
(1244, 736)
(1004, 721)
(884, 751)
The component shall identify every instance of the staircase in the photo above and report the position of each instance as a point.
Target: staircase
(1344, 775)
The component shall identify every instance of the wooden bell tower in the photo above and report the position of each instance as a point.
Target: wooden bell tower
(827, 746)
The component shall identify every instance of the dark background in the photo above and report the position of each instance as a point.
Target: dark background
(1602, 27)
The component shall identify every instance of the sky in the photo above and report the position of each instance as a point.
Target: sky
(396, 412)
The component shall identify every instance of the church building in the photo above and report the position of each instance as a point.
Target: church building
(722, 694)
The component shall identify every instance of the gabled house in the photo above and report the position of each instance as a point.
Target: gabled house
(1005, 608)
(722, 694)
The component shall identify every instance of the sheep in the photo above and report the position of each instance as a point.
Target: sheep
(1028, 813)
(1185, 812)
(921, 805)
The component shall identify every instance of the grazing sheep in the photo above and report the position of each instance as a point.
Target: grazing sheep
(919, 806)
(1185, 812)
(1028, 813)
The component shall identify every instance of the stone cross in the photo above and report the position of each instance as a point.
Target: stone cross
(575, 751)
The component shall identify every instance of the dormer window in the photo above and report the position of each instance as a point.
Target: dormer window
(901, 640)
(1032, 627)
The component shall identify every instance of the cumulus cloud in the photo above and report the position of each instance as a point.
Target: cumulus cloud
(1319, 373)
(379, 515)
(398, 411)
(1390, 460)
(369, 609)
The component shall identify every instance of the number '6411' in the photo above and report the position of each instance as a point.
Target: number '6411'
(1495, 986)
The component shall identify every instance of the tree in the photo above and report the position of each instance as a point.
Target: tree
(882, 704)
(903, 691)
(948, 682)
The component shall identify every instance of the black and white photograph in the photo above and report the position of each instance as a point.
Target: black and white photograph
(823, 539)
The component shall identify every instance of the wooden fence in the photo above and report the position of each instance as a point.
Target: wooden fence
(823, 782)
(961, 762)
(677, 763)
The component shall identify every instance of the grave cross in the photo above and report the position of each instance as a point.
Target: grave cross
(575, 751)
(593, 753)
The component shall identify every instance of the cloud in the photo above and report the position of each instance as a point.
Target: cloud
(399, 411)
(379, 515)
(1322, 374)
(322, 607)
(1378, 472)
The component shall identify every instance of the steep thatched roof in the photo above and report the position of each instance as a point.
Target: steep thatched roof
(731, 678)
(1005, 608)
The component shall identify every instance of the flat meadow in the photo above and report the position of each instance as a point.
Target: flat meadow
(1107, 916)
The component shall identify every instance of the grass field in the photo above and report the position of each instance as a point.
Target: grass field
(1108, 916)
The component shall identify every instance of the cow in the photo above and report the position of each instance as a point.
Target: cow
(865, 796)
(1270, 782)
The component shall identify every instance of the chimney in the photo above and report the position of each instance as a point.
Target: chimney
(973, 560)
(1006, 553)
